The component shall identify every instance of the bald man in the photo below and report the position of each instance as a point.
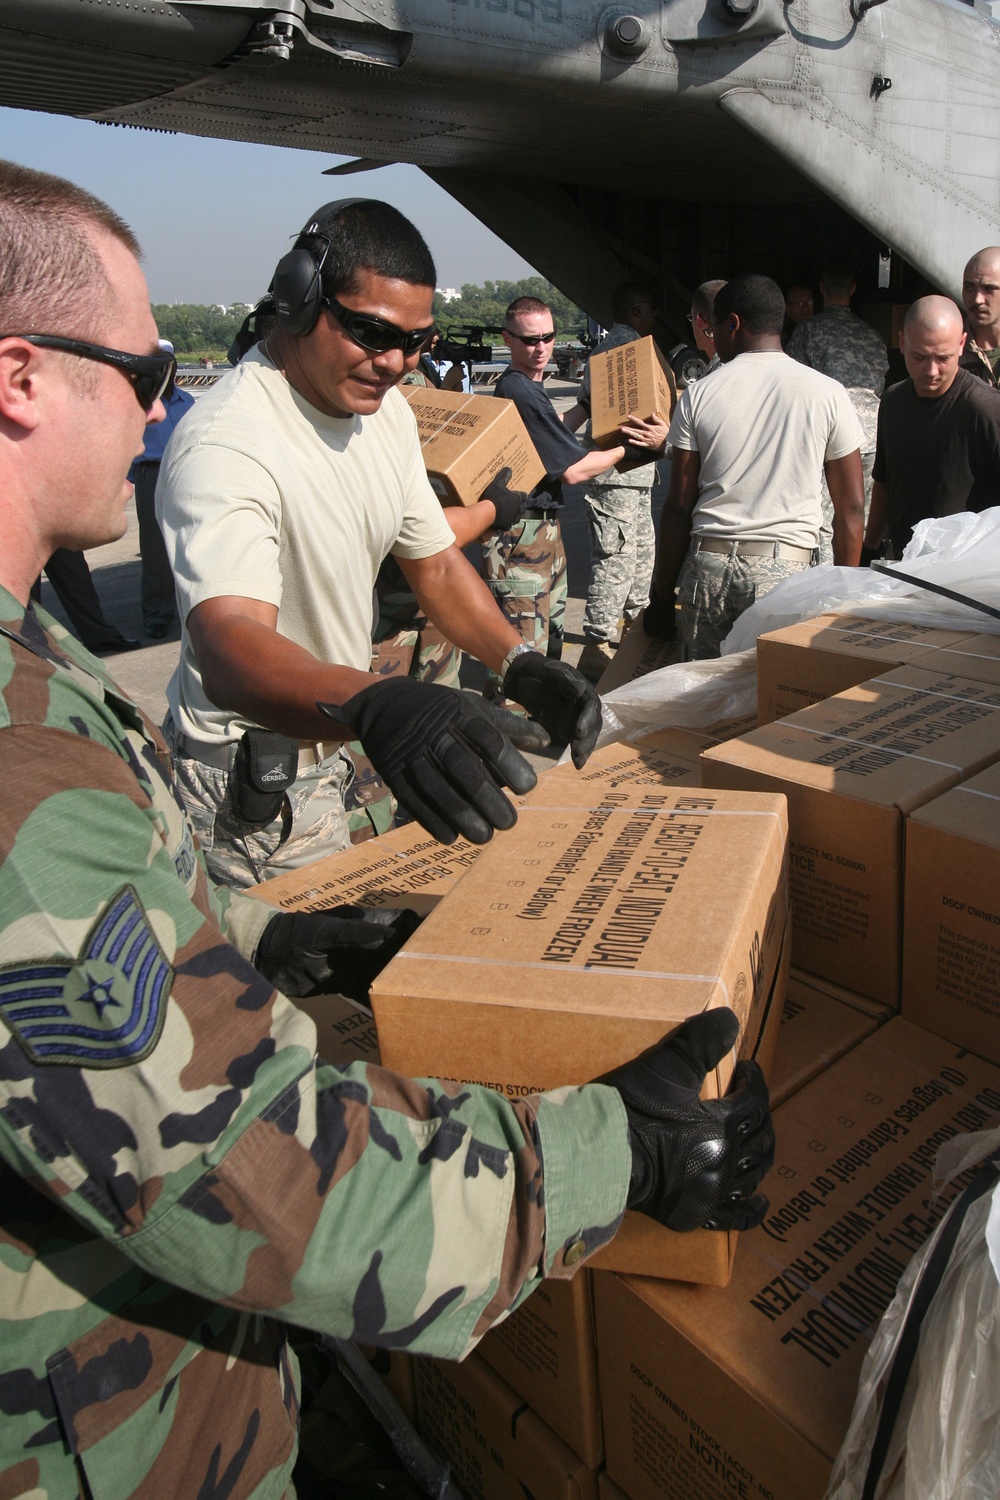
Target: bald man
(938, 446)
(981, 296)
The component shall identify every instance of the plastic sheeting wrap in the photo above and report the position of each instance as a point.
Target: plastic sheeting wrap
(686, 695)
(945, 1444)
(960, 552)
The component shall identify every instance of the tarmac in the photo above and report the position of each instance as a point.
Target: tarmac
(144, 673)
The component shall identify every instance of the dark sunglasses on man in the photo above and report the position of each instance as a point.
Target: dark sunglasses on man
(150, 374)
(375, 334)
(532, 339)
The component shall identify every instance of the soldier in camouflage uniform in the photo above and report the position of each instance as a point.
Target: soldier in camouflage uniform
(840, 344)
(525, 566)
(750, 444)
(619, 508)
(179, 1172)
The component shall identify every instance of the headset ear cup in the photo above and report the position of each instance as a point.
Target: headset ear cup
(297, 291)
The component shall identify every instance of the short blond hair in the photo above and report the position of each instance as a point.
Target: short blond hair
(52, 279)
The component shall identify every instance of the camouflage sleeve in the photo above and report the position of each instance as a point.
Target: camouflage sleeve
(241, 918)
(156, 1086)
(798, 344)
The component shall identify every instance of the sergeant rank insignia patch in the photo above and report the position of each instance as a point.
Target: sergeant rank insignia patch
(106, 1008)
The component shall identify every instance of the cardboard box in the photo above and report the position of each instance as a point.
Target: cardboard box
(579, 940)
(852, 768)
(631, 380)
(608, 1490)
(466, 440)
(748, 1391)
(637, 654)
(815, 1031)
(837, 992)
(547, 1353)
(822, 657)
(977, 656)
(394, 1368)
(951, 934)
(404, 868)
(668, 757)
(498, 1448)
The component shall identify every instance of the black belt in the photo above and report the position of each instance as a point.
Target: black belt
(541, 512)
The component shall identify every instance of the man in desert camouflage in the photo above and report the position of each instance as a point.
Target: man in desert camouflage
(179, 1173)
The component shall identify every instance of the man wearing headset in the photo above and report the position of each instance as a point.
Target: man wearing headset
(279, 498)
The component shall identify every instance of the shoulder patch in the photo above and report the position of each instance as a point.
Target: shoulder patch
(106, 1008)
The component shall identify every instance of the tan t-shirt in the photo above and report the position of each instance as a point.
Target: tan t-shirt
(763, 426)
(262, 496)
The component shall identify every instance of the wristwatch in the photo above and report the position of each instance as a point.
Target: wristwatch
(505, 665)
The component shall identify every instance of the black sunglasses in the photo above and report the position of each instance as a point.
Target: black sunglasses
(531, 339)
(150, 374)
(375, 334)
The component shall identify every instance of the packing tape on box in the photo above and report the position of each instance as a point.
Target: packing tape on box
(973, 791)
(933, 692)
(535, 963)
(826, 734)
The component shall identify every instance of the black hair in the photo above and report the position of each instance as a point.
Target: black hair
(757, 301)
(371, 236)
(838, 278)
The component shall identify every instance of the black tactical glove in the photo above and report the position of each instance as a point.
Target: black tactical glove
(659, 618)
(508, 504)
(340, 951)
(560, 698)
(440, 753)
(695, 1163)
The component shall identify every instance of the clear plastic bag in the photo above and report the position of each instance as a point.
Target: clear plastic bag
(945, 1443)
(687, 695)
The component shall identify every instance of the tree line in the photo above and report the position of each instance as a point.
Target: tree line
(195, 329)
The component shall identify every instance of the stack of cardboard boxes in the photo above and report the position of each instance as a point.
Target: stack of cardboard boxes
(629, 896)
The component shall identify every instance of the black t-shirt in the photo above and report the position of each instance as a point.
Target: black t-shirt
(557, 447)
(938, 454)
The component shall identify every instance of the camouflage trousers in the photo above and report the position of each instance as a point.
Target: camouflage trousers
(312, 823)
(525, 568)
(826, 504)
(406, 643)
(622, 551)
(716, 587)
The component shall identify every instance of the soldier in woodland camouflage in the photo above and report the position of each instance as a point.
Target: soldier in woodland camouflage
(840, 344)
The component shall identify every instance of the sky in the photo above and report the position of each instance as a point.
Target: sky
(214, 217)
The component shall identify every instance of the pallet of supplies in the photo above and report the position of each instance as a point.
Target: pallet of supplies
(748, 1391)
(852, 768)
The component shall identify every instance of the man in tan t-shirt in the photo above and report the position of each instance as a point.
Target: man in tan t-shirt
(279, 498)
(750, 445)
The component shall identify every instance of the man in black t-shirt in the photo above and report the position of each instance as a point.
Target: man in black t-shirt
(526, 566)
(938, 447)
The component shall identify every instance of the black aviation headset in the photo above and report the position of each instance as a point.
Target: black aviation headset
(296, 287)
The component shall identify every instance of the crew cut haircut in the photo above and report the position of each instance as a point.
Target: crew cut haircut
(525, 305)
(51, 276)
(625, 297)
(704, 297)
(371, 236)
(838, 278)
(757, 301)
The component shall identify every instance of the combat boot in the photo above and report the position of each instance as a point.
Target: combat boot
(595, 658)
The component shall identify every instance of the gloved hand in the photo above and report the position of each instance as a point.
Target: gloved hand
(560, 698)
(695, 1163)
(341, 950)
(440, 753)
(659, 618)
(508, 504)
